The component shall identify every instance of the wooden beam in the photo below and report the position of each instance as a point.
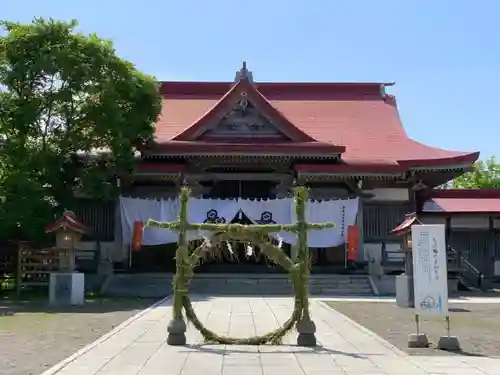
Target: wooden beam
(237, 176)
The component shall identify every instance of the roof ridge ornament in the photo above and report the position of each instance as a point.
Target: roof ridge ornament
(243, 74)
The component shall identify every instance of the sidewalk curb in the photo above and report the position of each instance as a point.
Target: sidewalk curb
(365, 330)
(61, 365)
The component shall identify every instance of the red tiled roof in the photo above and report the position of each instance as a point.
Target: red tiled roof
(462, 205)
(464, 193)
(355, 115)
(68, 220)
(463, 201)
(405, 226)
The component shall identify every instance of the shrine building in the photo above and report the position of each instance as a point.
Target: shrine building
(245, 139)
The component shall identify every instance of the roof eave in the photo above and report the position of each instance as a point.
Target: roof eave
(447, 213)
(350, 168)
(350, 174)
(179, 148)
(452, 162)
(464, 193)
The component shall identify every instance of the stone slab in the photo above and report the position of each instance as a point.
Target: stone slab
(345, 347)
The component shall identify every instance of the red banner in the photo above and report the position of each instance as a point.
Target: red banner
(352, 242)
(137, 235)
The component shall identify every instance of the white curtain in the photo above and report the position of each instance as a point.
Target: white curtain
(214, 211)
(170, 212)
(269, 211)
(134, 209)
(341, 212)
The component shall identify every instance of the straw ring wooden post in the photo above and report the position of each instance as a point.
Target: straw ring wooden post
(257, 235)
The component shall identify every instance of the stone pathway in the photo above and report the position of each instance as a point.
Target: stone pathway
(138, 346)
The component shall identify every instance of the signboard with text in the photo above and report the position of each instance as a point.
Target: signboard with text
(430, 269)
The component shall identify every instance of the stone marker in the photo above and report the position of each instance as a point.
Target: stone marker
(449, 343)
(418, 340)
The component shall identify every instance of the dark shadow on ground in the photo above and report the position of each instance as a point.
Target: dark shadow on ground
(458, 309)
(464, 353)
(229, 349)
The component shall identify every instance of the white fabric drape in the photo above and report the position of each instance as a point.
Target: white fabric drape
(170, 212)
(269, 211)
(341, 212)
(134, 209)
(215, 211)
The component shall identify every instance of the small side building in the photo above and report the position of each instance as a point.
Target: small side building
(472, 219)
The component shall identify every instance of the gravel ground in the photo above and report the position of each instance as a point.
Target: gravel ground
(34, 337)
(476, 325)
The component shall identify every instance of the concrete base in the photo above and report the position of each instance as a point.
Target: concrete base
(306, 329)
(67, 288)
(306, 339)
(404, 291)
(449, 343)
(418, 340)
(176, 332)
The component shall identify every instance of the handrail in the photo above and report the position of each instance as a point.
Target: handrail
(466, 269)
(468, 266)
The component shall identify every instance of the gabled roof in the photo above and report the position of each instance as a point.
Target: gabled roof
(68, 220)
(242, 88)
(358, 116)
(188, 139)
(405, 226)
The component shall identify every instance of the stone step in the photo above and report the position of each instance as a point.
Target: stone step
(159, 285)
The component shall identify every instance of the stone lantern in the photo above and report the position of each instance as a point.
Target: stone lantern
(68, 231)
(404, 282)
(67, 286)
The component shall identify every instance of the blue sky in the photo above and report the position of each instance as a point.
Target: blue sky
(444, 55)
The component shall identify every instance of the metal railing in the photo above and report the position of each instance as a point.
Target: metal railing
(393, 261)
(469, 273)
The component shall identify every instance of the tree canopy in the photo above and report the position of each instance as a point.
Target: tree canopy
(485, 174)
(64, 95)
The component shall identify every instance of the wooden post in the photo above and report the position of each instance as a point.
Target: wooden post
(20, 248)
(491, 248)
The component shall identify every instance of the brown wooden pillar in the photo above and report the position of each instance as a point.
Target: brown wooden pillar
(491, 246)
(448, 242)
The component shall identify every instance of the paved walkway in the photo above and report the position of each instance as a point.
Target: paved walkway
(138, 346)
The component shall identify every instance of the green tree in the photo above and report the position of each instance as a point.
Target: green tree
(485, 174)
(64, 95)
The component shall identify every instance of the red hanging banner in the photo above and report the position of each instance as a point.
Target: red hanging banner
(137, 235)
(352, 242)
